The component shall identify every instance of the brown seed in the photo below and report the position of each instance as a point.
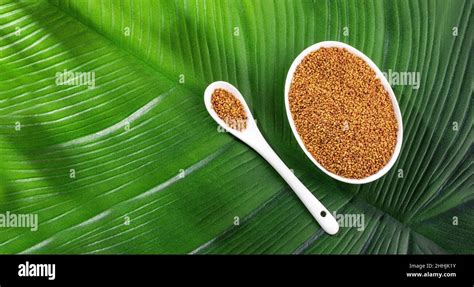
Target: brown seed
(343, 113)
(229, 109)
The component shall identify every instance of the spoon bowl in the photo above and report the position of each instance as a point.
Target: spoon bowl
(245, 134)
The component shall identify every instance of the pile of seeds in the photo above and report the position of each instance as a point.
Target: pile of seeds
(229, 109)
(343, 113)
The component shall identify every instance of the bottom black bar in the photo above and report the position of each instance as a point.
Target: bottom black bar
(407, 270)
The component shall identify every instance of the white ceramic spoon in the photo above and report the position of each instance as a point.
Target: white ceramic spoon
(252, 137)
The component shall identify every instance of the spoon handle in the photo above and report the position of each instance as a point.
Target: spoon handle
(315, 207)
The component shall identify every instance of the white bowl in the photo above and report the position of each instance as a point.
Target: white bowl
(388, 88)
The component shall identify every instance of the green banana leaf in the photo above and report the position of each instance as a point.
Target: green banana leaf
(136, 165)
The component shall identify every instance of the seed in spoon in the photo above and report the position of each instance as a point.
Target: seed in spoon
(229, 109)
